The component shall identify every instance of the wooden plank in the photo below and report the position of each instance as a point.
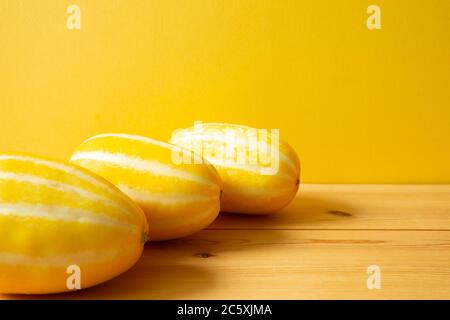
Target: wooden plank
(376, 207)
(318, 247)
(286, 264)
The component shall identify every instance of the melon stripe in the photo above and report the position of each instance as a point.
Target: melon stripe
(66, 169)
(191, 220)
(249, 168)
(150, 141)
(284, 158)
(61, 213)
(57, 185)
(140, 139)
(58, 260)
(134, 163)
(259, 192)
(165, 199)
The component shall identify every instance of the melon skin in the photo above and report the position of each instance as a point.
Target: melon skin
(178, 198)
(248, 187)
(54, 215)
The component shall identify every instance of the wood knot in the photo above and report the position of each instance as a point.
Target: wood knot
(204, 255)
(340, 213)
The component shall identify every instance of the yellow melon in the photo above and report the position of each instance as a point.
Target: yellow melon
(59, 221)
(260, 173)
(178, 199)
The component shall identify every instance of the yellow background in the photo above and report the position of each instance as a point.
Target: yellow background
(357, 105)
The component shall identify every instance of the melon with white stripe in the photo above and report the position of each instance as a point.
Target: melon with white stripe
(55, 215)
(178, 199)
(260, 173)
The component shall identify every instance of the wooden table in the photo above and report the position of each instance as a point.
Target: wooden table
(318, 248)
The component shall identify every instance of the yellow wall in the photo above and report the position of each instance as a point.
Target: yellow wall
(357, 105)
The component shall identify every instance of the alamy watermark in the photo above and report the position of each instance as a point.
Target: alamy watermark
(74, 19)
(374, 277)
(73, 281)
(232, 147)
(374, 19)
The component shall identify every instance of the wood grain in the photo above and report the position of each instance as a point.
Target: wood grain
(375, 207)
(317, 248)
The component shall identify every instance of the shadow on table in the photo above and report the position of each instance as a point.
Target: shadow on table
(239, 232)
(304, 212)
